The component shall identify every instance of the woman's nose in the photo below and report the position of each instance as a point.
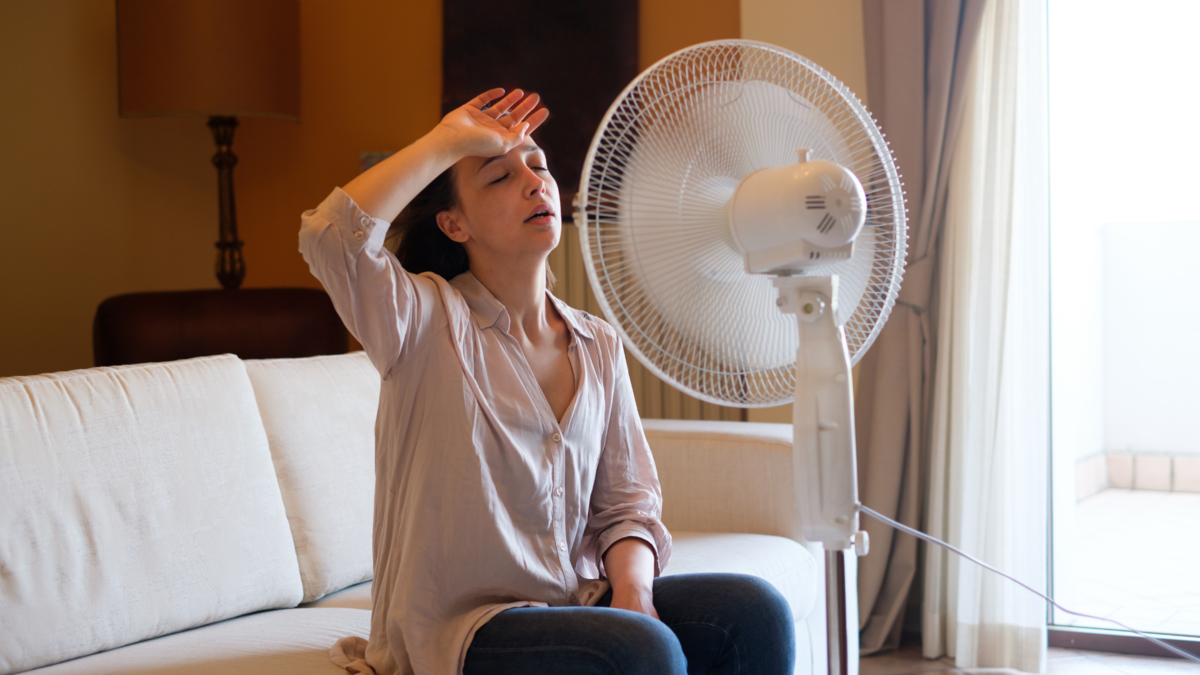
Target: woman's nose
(535, 184)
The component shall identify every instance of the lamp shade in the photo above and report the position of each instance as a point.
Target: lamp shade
(230, 58)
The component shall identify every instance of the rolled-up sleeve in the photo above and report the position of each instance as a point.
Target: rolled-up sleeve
(627, 498)
(381, 304)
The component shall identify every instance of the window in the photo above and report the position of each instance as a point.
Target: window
(1124, 133)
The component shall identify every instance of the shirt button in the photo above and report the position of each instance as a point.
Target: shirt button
(556, 437)
(359, 235)
(574, 599)
(558, 491)
(562, 546)
(365, 220)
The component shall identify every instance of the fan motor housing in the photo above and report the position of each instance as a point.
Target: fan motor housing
(791, 217)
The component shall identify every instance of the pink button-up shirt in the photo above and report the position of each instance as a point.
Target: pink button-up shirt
(483, 500)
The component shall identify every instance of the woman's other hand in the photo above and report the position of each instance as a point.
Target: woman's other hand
(640, 601)
(629, 564)
(471, 131)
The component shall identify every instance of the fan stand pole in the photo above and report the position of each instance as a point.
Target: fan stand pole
(823, 455)
(837, 641)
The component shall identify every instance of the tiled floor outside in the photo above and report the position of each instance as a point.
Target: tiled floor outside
(1138, 556)
(1137, 560)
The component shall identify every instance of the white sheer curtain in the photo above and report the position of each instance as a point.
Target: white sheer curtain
(989, 442)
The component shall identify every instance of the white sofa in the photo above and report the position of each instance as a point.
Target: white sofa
(213, 515)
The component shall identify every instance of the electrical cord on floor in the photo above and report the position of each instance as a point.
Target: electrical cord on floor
(933, 540)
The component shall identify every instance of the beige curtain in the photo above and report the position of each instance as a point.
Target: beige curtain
(917, 53)
(987, 490)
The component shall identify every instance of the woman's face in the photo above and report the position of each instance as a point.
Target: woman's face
(507, 208)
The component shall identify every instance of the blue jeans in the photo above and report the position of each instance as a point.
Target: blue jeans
(710, 623)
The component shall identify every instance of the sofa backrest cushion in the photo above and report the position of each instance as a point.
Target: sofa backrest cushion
(319, 414)
(725, 476)
(134, 502)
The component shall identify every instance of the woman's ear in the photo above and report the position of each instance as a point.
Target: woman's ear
(448, 223)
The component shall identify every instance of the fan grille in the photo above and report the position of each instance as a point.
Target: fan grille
(656, 245)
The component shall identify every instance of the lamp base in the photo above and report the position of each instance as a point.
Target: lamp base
(231, 268)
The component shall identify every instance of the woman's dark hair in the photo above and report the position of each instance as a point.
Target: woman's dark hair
(419, 244)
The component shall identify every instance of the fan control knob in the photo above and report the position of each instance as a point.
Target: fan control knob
(862, 543)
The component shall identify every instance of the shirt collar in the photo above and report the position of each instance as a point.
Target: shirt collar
(579, 322)
(488, 311)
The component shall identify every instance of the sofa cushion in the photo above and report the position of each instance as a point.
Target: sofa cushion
(134, 502)
(357, 596)
(283, 642)
(787, 565)
(319, 414)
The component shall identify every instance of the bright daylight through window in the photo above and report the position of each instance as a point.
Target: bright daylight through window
(1124, 91)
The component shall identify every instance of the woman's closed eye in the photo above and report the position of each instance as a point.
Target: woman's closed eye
(506, 175)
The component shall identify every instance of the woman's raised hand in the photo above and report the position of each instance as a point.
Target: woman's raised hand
(472, 131)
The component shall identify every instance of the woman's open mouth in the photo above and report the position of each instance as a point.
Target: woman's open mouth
(543, 215)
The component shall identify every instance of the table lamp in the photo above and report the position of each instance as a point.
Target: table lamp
(220, 59)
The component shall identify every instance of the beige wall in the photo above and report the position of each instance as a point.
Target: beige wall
(827, 32)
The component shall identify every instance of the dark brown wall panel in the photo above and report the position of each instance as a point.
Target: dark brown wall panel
(577, 55)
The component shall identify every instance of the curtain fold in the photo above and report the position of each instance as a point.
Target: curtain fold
(988, 467)
(917, 54)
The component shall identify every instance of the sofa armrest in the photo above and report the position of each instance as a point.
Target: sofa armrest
(737, 477)
(725, 476)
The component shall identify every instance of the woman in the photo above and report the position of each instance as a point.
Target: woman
(517, 508)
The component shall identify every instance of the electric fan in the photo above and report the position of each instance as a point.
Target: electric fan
(743, 229)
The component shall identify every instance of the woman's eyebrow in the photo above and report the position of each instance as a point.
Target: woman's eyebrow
(526, 149)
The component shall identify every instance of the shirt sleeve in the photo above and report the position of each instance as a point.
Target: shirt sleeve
(627, 498)
(387, 309)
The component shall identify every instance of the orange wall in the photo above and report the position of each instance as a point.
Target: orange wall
(96, 205)
(666, 26)
(372, 81)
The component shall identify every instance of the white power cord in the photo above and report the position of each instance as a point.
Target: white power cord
(933, 540)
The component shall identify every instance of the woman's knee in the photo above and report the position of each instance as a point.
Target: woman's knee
(759, 597)
(731, 622)
(594, 640)
(738, 597)
(765, 625)
(643, 645)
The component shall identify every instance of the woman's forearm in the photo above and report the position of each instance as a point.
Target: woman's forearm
(629, 564)
(386, 188)
(630, 567)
